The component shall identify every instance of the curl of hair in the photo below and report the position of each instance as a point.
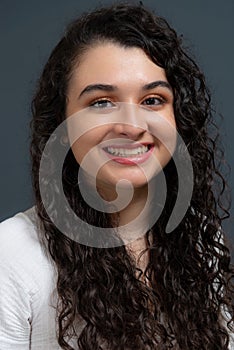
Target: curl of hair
(189, 270)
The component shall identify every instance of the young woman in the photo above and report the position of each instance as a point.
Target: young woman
(127, 91)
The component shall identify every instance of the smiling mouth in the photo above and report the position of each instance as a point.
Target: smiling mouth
(127, 151)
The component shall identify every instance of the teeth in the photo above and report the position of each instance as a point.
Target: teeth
(121, 152)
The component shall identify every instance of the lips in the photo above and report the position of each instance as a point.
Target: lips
(129, 154)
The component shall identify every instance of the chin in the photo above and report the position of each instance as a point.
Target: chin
(124, 182)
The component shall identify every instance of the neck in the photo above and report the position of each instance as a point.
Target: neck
(134, 208)
(136, 249)
(128, 215)
(133, 217)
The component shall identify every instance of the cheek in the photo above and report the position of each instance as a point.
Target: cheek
(78, 149)
(163, 129)
(87, 142)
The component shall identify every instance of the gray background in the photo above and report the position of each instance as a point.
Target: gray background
(29, 31)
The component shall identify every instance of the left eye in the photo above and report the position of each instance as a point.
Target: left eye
(153, 101)
(102, 104)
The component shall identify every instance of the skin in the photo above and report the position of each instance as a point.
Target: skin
(129, 70)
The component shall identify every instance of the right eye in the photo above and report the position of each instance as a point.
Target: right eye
(102, 104)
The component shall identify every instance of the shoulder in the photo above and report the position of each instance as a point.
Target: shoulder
(27, 280)
(19, 237)
(16, 231)
(21, 253)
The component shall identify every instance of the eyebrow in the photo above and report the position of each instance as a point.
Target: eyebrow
(111, 88)
(158, 83)
(100, 87)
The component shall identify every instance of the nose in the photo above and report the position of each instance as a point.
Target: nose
(131, 122)
(129, 131)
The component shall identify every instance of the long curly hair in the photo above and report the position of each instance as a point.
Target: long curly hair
(189, 270)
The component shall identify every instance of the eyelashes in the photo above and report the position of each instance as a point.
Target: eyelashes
(152, 101)
(102, 103)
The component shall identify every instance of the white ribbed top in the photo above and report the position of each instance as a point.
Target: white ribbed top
(27, 288)
(27, 281)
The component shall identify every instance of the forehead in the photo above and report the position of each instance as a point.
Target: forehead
(110, 62)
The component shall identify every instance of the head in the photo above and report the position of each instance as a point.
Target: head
(93, 52)
(121, 35)
(137, 29)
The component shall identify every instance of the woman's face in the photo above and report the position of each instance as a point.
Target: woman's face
(109, 75)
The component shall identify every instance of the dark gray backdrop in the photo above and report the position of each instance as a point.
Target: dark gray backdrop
(29, 31)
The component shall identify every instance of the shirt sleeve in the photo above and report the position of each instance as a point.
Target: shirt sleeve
(225, 318)
(15, 311)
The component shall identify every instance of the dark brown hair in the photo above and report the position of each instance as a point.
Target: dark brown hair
(191, 266)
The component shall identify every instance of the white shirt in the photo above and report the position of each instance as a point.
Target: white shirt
(27, 288)
(27, 282)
